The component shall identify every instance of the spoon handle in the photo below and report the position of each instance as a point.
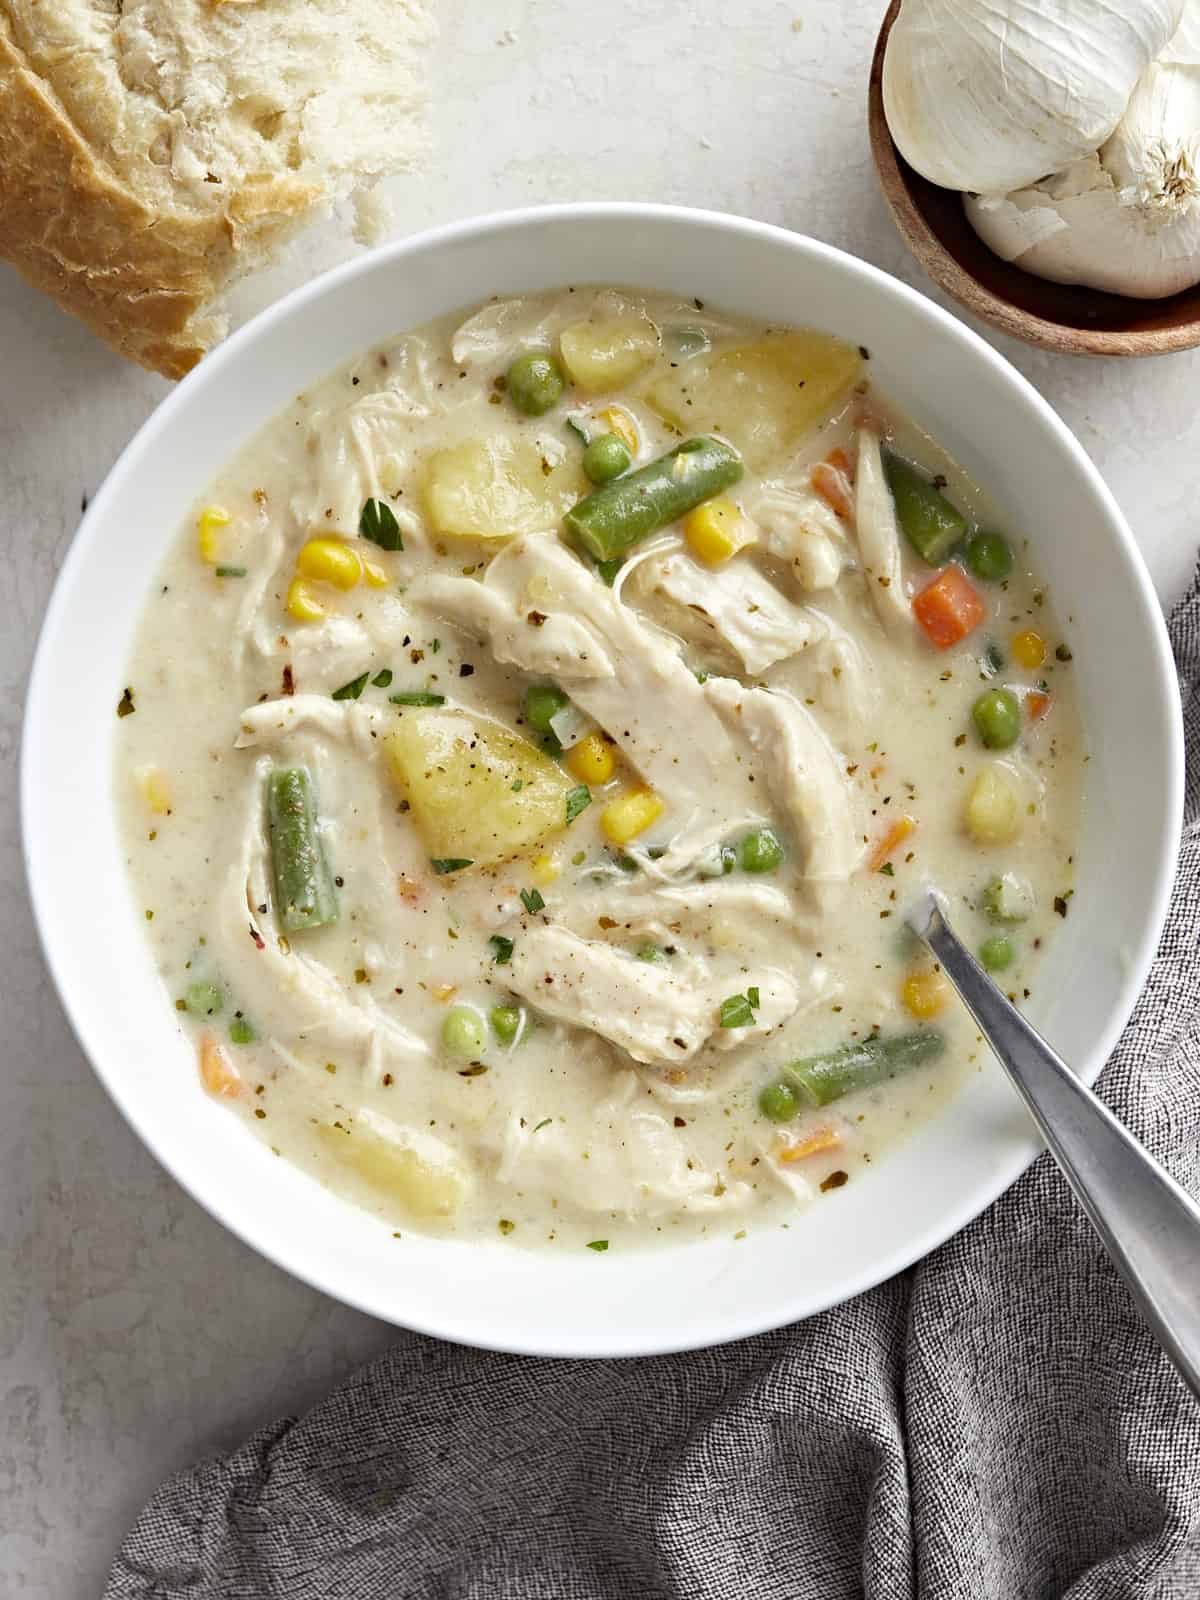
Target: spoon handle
(1149, 1225)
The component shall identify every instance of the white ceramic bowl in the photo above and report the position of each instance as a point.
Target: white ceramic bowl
(623, 1302)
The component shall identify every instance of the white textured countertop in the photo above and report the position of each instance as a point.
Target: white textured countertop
(134, 1333)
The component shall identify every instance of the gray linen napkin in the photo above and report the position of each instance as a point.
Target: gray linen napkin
(994, 1423)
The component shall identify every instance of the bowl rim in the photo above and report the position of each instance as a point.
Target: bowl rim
(974, 296)
(717, 1326)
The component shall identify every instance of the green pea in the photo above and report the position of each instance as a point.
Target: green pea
(204, 999)
(996, 953)
(241, 1031)
(463, 1034)
(606, 457)
(779, 1102)
(542, 702)
(535, 382)
(760, 851)
(997, 718)
(506, 1022)
(989, 556)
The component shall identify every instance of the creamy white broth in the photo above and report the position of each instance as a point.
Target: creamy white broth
(787, 688)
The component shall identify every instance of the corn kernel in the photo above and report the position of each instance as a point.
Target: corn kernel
(629, 814)
(718, 530)
(156, 790)
(820, 1140)
(546, 870)
(217, 1072)
(1028, 649)
(332, 560)
(925, 994)
(211, 520)
(619, 421)
(302, 603)
(374, 574)
(591, 760)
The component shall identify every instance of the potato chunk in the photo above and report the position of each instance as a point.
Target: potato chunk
(497, 487)
(477, 792)
(763, 397)
(408, 1165)
(609, 353)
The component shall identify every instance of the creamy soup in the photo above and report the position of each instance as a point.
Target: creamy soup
(530, 746)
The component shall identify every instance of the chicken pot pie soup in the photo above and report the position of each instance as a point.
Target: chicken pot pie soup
(529, 748)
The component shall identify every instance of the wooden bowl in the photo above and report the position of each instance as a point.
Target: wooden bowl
(1057, 316)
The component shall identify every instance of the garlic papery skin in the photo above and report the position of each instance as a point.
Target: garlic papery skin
(990, 95)
(1126, 219)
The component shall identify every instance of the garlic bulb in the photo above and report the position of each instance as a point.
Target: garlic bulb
(990, 95)
(1126, 219)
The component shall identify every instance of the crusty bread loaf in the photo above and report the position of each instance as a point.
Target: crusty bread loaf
(151, 151)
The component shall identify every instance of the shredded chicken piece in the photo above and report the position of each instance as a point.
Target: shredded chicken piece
(879, 539)
(806, 775)
(801, 529)
(272, 720)
(736, 606)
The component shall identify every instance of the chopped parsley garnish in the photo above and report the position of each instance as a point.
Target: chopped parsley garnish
(517, 785)
(579, 799)
(241, 1031)
(231, 572)
(352, 690)
(752, 996)
(1062, 652)
(544, 1123)
(378, 524)
(598, 1244)
(502, 948)
(443, 864)
(125, 705)
(383, 679)
(435, 645)
(737, 1011)
(418, 697)
(700, 677)
(506, 1225)
(888, 870)
(532, 900)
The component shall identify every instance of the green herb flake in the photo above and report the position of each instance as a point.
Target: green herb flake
(544, 1123)
(352, 690)
(505, 1225)
(417, 697)
(435, 645)
(241, 1031)
(599, 1245)
(517, 785)
(383, 679)
(532, 900)
(579, 799)
(378, 524)
(125, 705)
(1062, 652)
(700, 677)
(736, 1011)
(231, 572)
(444, 864)
(888, 870)
(475, 1070)
(502, 949)
(752, 996)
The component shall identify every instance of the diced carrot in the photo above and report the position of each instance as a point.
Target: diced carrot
(891, 841)
(217, 1072)
(1036, 705)
(831, 480)
(948, 608)
(820, 1139)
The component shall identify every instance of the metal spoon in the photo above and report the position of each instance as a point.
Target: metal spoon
(1148, 1224)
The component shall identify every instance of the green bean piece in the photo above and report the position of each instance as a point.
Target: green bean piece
(760, 851)
(927, 519)
(203, 999)
(612, 519)
(989, 556)
(605, 458)
(506, 1022)
(996, 953)
(543, 701)
(463, 1033)
(304, 888)
(779, 1102)
(997, 718)
(827, 1077)
(536, 383)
